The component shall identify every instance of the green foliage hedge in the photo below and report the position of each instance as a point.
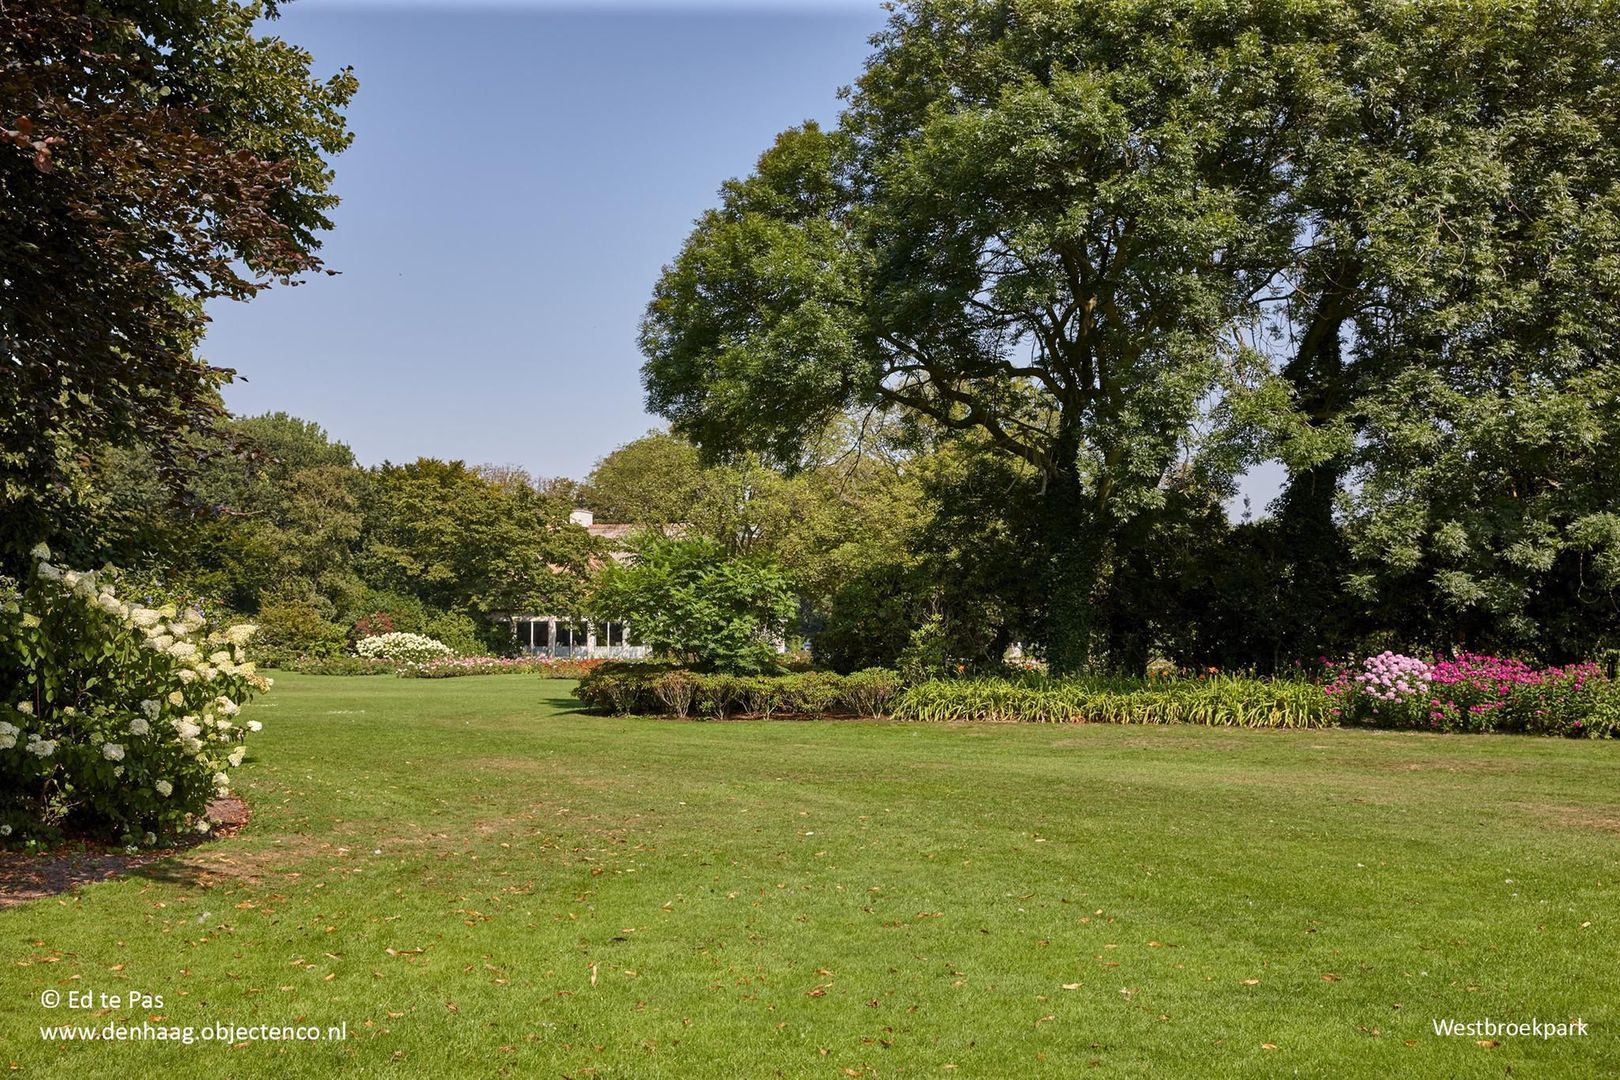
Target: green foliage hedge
(662, 690)
(1218, 702)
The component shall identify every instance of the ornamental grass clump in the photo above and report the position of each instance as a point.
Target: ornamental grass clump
(1218, 702)
(124, 722)
(402, 648)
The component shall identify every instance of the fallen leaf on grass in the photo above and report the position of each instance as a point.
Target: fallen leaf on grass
(1489, 1044)
(1071, 986)
(1268, 1046)
(1251, 982)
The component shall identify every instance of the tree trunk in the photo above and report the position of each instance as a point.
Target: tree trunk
(1073, 561)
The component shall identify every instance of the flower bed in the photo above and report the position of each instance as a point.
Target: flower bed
(1476, 693)
(544, 666)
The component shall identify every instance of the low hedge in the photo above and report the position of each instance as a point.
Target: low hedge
(1217, 702)
(661, 690)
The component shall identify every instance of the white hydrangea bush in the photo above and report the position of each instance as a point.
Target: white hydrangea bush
(125, 719)
(401, 648)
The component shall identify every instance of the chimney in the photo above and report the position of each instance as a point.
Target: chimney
(582, 517)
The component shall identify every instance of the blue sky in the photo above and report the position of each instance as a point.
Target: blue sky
(520, 173)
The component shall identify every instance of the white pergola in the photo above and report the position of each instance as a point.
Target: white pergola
(538, 635)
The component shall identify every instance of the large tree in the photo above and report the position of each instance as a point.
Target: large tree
(1046, 223)
(461, 541)
(1460, 308)
(1140, 245)
(154, 155)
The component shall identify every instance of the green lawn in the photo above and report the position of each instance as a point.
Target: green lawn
(480, 881)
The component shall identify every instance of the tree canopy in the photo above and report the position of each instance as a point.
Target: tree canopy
(1139, 247)
(154, 154)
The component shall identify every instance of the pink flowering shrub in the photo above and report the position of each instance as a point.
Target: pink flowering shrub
(1490, 693)
(1390, 690)
(1474, 693)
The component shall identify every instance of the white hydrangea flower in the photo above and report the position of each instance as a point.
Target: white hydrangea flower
(30, 620)
(151, 708)
(139, 726)
(42, 747)
(160, 642)
(40, 551)
(49, 572)
(227, 706)
(163, 788)
(149, 839)
(240, 633)
(26, 708)
(237, 755)
(113, 752)
(254, 726)
(176, 698)
(5, 830)
(144, 617)
(182, 650)
(203, 825)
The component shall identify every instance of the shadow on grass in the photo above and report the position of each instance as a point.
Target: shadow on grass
(563, 701)
(52, 873)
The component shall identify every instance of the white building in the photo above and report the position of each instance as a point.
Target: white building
(574, 638)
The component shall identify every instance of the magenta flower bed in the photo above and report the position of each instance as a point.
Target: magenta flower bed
(544, 666)
(1476, 693)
